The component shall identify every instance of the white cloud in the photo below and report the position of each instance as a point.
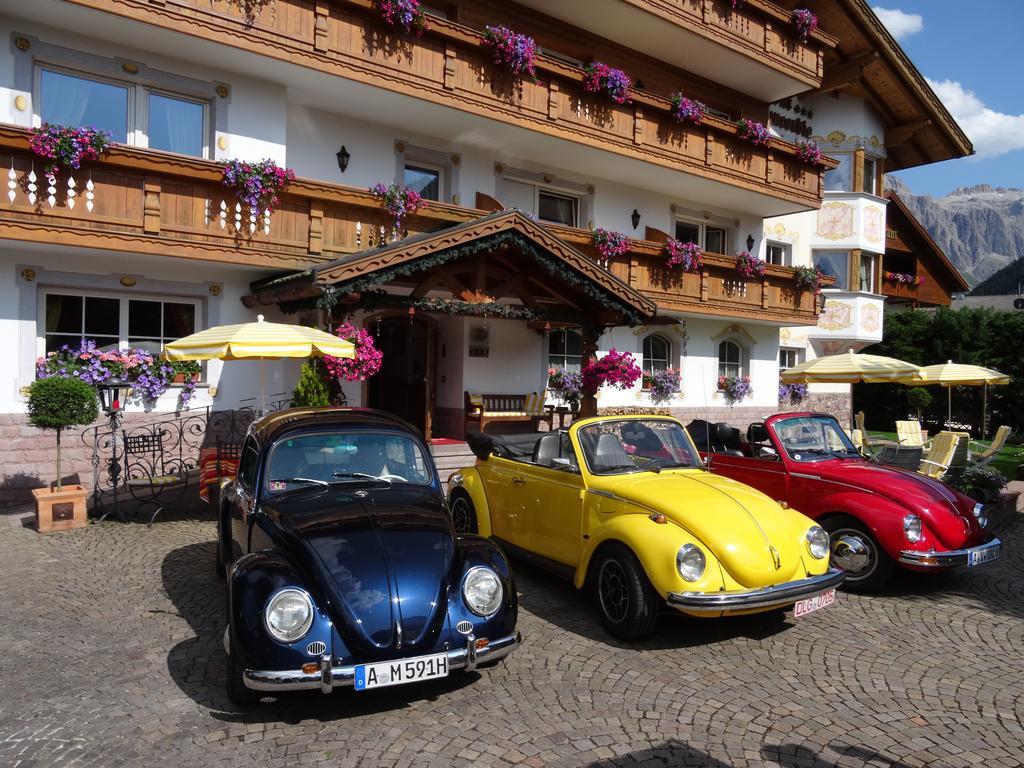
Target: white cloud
(992, 133)
(899, 23)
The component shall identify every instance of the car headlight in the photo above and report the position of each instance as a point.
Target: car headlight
(979, 515)
(482, 590)
(690, 562)
(912, 528)
(817, 542)
(289, 615)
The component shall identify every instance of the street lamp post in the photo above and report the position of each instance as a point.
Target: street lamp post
(113, 395)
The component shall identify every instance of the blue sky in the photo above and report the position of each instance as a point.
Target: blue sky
(971, 53)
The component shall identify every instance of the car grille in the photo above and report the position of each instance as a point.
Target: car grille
(316, 648)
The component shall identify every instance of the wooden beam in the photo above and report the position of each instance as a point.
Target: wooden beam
(845, 73)
(901, 134)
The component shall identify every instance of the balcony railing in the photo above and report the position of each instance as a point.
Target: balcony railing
(450, 66)
(142, 201)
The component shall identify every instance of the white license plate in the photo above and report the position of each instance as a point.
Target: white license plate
(980, 555)
(401, 671)
(811, 604)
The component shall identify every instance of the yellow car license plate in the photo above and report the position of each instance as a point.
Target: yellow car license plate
(401, 671)
(811, 604)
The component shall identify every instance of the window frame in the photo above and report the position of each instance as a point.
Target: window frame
(798, 355)
(786, 253)
(702, 228)
(649, 370)
(538, 190)
(740, 363)
(842, 280)
(442, 176)
(872, 259)
(565, 356)
(137, 107)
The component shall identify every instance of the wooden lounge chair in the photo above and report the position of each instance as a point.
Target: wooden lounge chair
(936, 464)
(986, 456)
(909, 433)
(961, 455)
(857, 438)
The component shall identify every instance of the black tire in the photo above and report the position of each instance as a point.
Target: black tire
(857, 552)
(463, 512)
(625, 600)
(234, 683)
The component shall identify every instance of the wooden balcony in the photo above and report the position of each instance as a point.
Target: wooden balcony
(448, 65)
(140, 201)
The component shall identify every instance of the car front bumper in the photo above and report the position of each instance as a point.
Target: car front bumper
(328, 676)
(756, 599)
(949, 559)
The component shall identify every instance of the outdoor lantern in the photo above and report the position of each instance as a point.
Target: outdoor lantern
(343, 156)
(635, 218)
(113, 395)
(750, 242)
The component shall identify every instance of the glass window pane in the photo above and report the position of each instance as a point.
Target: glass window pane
(54, 342)
(840, 179)
(869, 175)
(102, 317)
(557, 208)
(143, 319)
(687, 232)
(79, 101)
(776, 254)
(179, 320)
(833, 263)
(175, 125)
(714, 240)
(426, 181)
(516, 194)
(573, 342)
(63, 314)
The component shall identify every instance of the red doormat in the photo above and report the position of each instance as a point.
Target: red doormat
(445, 441)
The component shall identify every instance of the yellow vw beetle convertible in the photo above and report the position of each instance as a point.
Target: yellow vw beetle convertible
(623, 506)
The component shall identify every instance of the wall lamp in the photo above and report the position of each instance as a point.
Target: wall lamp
(343, 156)
(750, 243)
(635, 218)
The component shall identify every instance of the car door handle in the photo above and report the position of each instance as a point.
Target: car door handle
(518, 481)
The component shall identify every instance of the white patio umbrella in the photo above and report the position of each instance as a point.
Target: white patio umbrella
(260, 340)
(950, 374)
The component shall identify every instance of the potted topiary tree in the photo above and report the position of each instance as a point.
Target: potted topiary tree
(58, 403)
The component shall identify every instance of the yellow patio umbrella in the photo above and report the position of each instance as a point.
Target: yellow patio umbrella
(950, 374)
(260, 340)
(848, 368)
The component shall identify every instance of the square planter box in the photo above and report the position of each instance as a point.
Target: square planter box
(61, 510)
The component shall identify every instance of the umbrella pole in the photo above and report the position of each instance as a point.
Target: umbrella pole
(949, 401)
(263, 391)
(984, 410)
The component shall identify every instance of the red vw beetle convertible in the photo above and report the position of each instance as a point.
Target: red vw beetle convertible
(876, 516)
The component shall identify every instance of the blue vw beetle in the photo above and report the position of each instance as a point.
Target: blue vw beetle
(343, 568)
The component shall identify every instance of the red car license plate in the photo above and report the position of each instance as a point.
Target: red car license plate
(810, 604)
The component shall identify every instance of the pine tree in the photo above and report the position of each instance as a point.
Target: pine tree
(311, 389)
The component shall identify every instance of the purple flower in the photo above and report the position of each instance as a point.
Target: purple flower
(513, 50)
(615, 83)
(686, 110)
(754, 132)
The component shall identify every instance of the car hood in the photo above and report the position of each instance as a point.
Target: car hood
(738, 524)
(381, 556)
(935, 503)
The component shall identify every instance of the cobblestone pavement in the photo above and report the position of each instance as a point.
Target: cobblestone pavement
(110, 655)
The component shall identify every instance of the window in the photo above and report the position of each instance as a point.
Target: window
(789, 357)
(657, 354)
(712, 238)
(840, 179)
(778, 254)
(870, 175)
(427, 180)
(730, 359)
(133, 113)
(835, 263)
(115, 322)
(565, 349)
(560, 209)
(248, 465)
(547, 198)
(868, 272)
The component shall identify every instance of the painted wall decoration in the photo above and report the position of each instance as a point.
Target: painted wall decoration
(871, 318)
(836, 315)
(835, 221)
(874, 223)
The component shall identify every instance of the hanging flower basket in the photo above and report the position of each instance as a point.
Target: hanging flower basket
(610, 244)
(901, 278)
(749, 265)
(664, 385)
(614, 83)
(616, 369)
(686, 110)
(792, 394)
(148, 376)
(398, 201)
(689, 257)
(809, 152)
(566, 387)
(63, 148)
(807, 278)
(512, 50)
(406, 15)
(367, 360)
(735, 388)
(805, 23)
(753, 132)
(257, 185)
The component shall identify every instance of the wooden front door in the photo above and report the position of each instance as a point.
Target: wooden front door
(404, 385)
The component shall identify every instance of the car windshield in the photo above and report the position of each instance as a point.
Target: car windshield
(325, 458)
(814, 438)
(636, 445)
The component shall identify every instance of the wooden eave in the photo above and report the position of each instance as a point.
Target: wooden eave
(904, 216)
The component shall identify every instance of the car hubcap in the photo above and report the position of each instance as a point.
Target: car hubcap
(853, 552)
(612, 591)
(460, 515)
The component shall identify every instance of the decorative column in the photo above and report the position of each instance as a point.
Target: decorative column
(589, 335)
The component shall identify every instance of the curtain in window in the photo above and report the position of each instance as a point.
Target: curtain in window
(79, 101)
(175, 125)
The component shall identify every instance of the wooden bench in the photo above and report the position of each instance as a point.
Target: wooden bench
(485, 409)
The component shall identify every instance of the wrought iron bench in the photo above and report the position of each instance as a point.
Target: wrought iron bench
(151, 471)
(485, 409)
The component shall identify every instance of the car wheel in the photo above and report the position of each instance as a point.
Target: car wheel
(855, 550)
(234, 682)
(463, 513)
(626, 602)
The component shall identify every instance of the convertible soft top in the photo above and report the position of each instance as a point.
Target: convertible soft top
(506, 446)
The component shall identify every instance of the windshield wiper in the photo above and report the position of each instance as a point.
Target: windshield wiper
(360, 476)
(299, 480)
(822, 452)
